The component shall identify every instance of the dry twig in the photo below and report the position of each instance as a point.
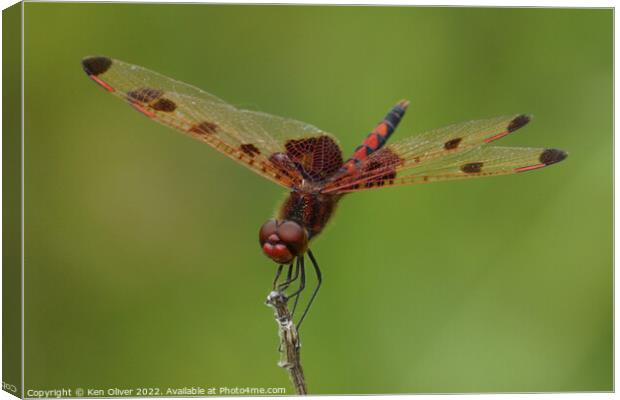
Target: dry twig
(289, 341)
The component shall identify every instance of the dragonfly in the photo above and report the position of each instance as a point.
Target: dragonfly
(308, 161)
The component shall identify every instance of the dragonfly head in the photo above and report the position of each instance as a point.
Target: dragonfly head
(282, 241)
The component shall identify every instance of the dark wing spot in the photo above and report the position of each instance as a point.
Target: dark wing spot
(472, 167)
(204, 128)
(552, 156)
(249, 149)
(165, 105)
(518, 122)
(144, 95)
(452, 144)
(96, 65)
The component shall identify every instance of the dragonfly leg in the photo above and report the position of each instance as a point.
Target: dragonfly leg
(302, 280)
(289, 277)
(300, 262)
(278, 272)
(299, 266)
(319, 278)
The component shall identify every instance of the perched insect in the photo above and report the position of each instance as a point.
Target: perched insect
(308, 161)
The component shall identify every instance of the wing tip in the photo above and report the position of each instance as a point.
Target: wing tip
(552, 156)
(96, 65)
(546, 158)
(518, 122)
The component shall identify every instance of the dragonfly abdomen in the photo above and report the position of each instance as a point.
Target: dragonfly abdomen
(375, 139)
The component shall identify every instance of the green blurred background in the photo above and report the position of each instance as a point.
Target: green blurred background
(142, 260)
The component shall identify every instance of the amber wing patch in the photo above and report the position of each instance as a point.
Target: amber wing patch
(317, 158)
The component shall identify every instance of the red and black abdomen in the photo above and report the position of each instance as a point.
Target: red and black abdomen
(310, 210)
(375, 139)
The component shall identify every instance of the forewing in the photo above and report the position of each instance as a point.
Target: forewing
(253, 138)
(481, 162)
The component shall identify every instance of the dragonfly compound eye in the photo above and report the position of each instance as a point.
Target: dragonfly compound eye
(269, 228)
(272, 246)
(283, 241)
(294, 236)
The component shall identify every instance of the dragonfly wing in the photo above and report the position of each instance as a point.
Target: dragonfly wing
(431, 152)
(480, 162)
(262, 142)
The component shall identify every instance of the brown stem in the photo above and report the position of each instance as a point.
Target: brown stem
(289, 341)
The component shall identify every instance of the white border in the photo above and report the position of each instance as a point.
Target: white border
(428, 3)
(480, 3)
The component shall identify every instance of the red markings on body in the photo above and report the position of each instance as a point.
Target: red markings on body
(382, 129)
(360, 155)
(529, 168)
(349, 167)
(372, 141)
(102, 83)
